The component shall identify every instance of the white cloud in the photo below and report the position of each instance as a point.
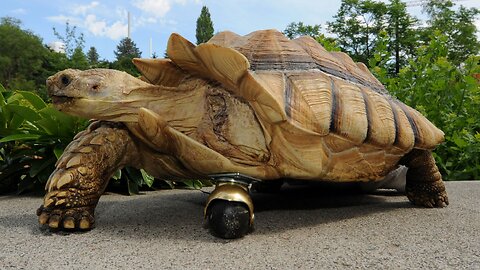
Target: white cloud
(101, 28)
(83, 9)
(117, 30)
(156, 8)
(89, 18)
(62, 19)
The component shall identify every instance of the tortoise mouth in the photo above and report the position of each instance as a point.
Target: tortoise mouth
(61, 99)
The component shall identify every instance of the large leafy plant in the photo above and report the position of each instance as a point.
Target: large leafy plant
(32, 136)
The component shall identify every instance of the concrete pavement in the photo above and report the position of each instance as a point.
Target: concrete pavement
(297, 228)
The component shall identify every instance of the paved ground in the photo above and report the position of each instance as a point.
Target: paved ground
(295, 229)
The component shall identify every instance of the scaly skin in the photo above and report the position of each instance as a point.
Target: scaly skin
(424, 185)
(82, 173)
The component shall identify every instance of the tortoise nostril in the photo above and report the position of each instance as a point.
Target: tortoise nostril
(65, 80)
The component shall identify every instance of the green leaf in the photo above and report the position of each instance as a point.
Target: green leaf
(48, 126)
(460, 142)
(147, 178)
(58, 151)
(3, 102)
(27, 113)
(133, 187)
(16, 122)
(117, 175)
(33, 99)
(39, 165)
(20, 137)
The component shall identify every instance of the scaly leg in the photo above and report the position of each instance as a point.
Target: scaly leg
(424, 185)
(82, 174)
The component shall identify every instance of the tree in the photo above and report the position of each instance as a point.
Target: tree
(458, 26)
(127, 48)
(296, 29)
(79, 60)
(70, 39)
(402, 35)
(357, 25)
(22, 55)
(92, 56)
(204, 26)
(126, 51)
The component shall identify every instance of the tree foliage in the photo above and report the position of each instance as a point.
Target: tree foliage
(204, 31)
(92, 56)
(22, 55)
(125, 52)
(296, 29)
(457, 25)
(70, 39)
(449, 96)
(357, 25)
(400, 28)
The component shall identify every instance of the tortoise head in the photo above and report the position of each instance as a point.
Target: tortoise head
(96, 93)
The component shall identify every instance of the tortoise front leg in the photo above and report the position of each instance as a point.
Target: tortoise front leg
(82, 173)
(424, 185)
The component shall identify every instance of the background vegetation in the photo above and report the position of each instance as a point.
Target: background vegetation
(431, 65)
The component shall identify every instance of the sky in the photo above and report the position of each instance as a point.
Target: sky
(105, 22)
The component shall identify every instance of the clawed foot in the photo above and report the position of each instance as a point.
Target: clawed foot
(70, 219)
(62, 211)
(427, 194)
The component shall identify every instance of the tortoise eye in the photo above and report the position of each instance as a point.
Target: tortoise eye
(65, 80)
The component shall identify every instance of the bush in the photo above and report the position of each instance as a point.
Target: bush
(32, 136)
(449, 96)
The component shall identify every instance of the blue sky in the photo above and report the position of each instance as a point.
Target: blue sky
(104, 23)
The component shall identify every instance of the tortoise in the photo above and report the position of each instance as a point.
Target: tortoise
(239, 110)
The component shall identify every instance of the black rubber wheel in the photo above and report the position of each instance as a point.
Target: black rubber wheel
(227, 219)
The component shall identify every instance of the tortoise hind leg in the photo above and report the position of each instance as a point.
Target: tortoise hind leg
(424, 185)
(81, 175)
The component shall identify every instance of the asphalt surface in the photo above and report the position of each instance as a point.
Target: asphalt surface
(297, 228)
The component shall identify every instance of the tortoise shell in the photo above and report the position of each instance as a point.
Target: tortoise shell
(298, 87)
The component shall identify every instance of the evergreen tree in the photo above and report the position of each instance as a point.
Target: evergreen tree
(92, 56)
(127, 48)
(204, 26)
(79, 60)
(126, 51)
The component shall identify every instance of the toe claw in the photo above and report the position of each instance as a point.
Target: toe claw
(54, 221)
(85, 223)
(69, 223)
(43, 218)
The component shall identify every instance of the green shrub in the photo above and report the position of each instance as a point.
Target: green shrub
(32, 136)
(449, 96)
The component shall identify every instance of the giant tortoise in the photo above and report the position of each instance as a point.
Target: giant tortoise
(238, 110)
